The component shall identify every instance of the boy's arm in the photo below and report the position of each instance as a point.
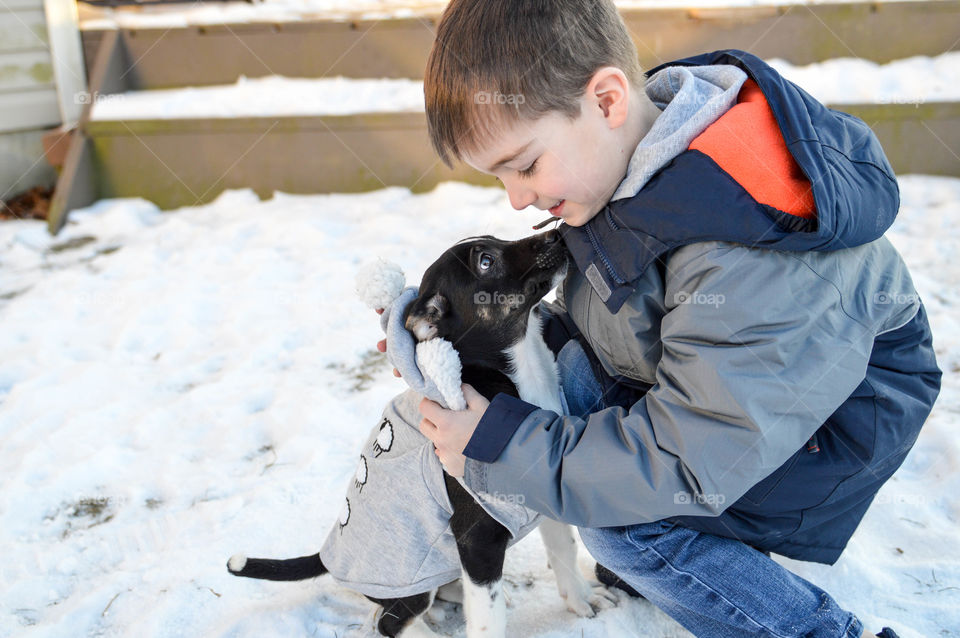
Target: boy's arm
(751, 368)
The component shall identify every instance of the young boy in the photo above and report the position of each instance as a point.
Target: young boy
(745, 358)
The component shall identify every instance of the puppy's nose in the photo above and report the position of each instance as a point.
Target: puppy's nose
(551, 237)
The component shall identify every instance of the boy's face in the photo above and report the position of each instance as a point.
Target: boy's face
(569, 167)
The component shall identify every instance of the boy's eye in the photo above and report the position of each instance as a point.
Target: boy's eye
(485, 261)
(530, 170)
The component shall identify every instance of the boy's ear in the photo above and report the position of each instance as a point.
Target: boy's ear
(609, 90)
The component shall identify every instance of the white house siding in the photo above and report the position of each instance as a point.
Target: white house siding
(29, 78)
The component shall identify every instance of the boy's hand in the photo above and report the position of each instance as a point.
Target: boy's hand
(382, 345)
(450, 430)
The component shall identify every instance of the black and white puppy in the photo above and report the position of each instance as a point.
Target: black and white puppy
(481, 295)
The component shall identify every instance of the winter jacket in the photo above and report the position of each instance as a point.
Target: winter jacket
(738, 283)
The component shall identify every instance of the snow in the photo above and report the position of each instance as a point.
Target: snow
(271, 95)
(144, 17)
(179, 387)
(913, 80)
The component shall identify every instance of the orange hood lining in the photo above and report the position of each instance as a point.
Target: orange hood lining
(747, 144)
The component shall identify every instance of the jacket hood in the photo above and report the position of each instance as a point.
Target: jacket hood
(679, 196)
(691, 98)
(854, 187)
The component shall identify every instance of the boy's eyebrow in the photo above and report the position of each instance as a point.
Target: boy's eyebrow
(511, 156)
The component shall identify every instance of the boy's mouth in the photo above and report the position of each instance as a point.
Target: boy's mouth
(555, 210)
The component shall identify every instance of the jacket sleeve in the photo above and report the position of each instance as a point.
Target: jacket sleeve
(758, 351)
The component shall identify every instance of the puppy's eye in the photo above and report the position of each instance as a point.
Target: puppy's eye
(486, 260)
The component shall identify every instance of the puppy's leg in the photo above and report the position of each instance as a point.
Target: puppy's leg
(482, 544)
(582, 598)
(404, 616)
(484, 608)
(451, 592)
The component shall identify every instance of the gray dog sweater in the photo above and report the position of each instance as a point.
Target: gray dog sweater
(393, 535)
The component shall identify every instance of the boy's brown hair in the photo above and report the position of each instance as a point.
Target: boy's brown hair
(495, 62)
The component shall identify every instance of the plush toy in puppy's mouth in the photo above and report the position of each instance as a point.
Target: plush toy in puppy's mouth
(431, 366)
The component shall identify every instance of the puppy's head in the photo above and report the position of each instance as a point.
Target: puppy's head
(479, 293)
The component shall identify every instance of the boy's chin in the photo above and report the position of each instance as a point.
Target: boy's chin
(579, 218)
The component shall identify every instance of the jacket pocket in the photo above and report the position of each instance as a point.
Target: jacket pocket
(762, 490)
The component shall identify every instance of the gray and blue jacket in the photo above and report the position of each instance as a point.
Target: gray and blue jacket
(777, 365)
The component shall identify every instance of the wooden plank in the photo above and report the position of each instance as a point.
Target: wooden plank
(90, 41)
(67, 56)
(168, 58)
(24, 29)
(22, 4)
(801, 34)
(29, 109)
(241, 125)
(77, 186)
(175, 166)
(185, 162)
(917, 138)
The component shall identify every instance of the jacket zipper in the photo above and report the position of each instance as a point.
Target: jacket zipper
(606, 262)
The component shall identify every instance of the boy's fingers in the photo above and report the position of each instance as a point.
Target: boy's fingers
(379, 311)
(382, 345)
(470, 395)
(430, 410)
(427, 428)
(396, 373)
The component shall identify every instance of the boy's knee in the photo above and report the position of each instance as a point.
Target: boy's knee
(604, 543)
(613, 546)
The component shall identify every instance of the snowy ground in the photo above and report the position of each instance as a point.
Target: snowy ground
(176, 387)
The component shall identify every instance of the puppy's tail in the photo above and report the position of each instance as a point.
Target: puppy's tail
(272, 569)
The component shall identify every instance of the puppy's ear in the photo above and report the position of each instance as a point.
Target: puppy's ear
(425, 316)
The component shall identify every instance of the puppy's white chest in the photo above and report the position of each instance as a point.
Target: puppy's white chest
(535, 371)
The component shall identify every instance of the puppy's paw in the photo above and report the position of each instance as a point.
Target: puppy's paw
(577, 593)
(585, 598)
(601, 597)
(581, 607)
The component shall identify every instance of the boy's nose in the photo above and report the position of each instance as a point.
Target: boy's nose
(521, 197)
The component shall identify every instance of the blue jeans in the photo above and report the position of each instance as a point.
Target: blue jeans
(713, 586)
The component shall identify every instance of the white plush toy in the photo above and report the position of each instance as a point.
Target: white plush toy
(432, 367)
